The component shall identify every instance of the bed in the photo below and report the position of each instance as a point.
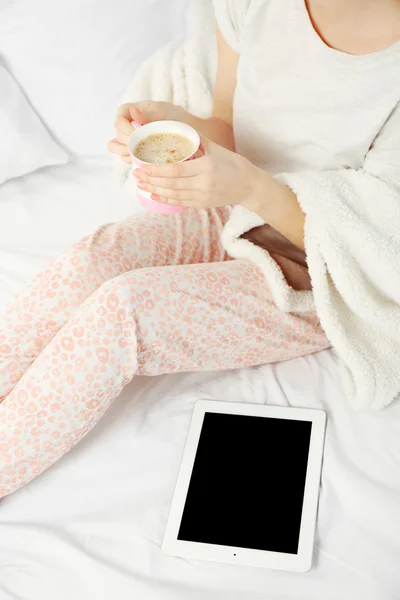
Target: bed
(92, 525)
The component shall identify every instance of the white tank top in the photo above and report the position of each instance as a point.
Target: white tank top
(299, 104)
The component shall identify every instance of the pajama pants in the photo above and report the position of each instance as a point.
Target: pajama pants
(145, 296)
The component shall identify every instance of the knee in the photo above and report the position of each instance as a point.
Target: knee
(114, 293)
(112, 314)
(135, 291)
(98, 242)
(89, 252)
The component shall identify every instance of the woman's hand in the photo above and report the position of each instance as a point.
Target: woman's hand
(218, 178)
(222, 177)
(142, 112)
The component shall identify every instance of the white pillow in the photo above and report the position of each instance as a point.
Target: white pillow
(25, 144)
(74, 59)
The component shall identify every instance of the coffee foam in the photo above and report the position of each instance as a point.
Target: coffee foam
(162, 148)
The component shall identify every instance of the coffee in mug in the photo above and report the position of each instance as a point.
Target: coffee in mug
(163, 148)
(160, 137)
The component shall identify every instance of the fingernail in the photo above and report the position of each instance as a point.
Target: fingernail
(155, 197)
(141, 185)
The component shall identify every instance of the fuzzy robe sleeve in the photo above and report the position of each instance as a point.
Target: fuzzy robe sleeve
(352, 240)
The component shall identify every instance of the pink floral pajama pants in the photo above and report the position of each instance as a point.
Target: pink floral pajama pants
(144, 296)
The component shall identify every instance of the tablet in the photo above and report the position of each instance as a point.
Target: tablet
(247, 489)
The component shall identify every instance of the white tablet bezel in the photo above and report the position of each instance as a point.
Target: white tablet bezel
(258, 558)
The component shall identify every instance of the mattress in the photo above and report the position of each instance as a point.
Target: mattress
(91, 526)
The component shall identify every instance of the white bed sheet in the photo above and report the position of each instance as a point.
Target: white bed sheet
(91, 526)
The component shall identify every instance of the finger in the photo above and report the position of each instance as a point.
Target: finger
(122, 138)
(127, 159)
(124, 126)
(146, 112)
(187, 203)
(176, 195)
(136, 114)
(201, 151)
(183, 169)
(170, 183)
(206, 146)
(123, 120)
(117, 148)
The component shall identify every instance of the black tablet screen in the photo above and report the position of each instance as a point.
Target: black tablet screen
(247, 483)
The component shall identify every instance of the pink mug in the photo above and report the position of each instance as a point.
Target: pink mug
(141, 132)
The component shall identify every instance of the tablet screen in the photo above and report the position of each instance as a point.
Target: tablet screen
(247, 484)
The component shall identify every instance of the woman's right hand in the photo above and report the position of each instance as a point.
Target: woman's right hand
(141, 112)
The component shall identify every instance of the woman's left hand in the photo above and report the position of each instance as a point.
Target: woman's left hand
(218, 178)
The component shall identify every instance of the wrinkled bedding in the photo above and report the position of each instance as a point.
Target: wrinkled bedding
(91, 526)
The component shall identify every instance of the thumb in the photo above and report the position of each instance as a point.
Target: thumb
(206, 145)
(137, 115)
(147, 112)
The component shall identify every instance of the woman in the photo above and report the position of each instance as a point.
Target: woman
(155, 294)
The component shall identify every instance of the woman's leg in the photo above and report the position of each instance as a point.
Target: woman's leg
(53, 296)
(147, 322)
